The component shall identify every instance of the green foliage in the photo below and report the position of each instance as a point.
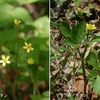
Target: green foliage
(12, 40)
(93, 60)
(96, 84)
(65, 29)
(92, 74)
(74, 35)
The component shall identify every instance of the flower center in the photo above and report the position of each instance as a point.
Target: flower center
(90, 26)
(4, 60)
(28, 46)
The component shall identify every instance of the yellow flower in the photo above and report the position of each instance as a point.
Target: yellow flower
(17, 22)
(30, 61)
(28, 47)
(90, 26)
(5, 60)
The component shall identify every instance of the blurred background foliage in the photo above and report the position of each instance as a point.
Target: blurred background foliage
(19, 80)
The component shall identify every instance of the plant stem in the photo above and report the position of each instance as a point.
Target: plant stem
(84, 74)
(34, 83)
(13, 91)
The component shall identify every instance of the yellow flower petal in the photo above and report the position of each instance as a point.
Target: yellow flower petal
(3, 64)
(1, 61)
(28, 47)
(32, 48)
(24, 47)
(7, 57)
(3, 57)
(17, 22)
(26, 43)
(5, 60)
(90, 26)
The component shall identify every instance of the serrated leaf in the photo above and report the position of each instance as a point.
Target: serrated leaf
(92, 74)
(70, 43)
(65, 29)
(81, 28)
(96, 85)
(93, 60)
(74, 32)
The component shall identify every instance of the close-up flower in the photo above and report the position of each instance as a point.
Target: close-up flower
(17, 22)
(28, 47)
(5, 60)
(30, 61)
(90, 26)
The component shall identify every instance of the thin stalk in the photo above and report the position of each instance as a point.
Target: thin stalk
(37, 90)
(13, 91)
(84, 73)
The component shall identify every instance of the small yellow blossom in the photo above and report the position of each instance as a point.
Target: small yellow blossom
(28, 47)
(30, 61)
(5, 60)
(90, 26)
(17, 22)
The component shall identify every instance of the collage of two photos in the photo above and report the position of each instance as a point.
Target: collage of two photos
(49, 49)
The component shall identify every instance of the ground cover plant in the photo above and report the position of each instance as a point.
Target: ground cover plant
(75, 50)
(24, 50)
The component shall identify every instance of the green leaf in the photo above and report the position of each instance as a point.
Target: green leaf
(91, 6)
(81, 28)
(62, 48)
(45, 98)
(64, 78)
(74, 32)
(42, 27)
(5, 14)
(42, 43)
(54, 24)
(19, 12)
(92, 74)
(96, 39)
(8, 34)
(70, 43)
(93, 60)
(8, 13)
(46, 93)
(34, 97)
(64, 62)
(96, 85)
(54, 57)
(65, 29)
